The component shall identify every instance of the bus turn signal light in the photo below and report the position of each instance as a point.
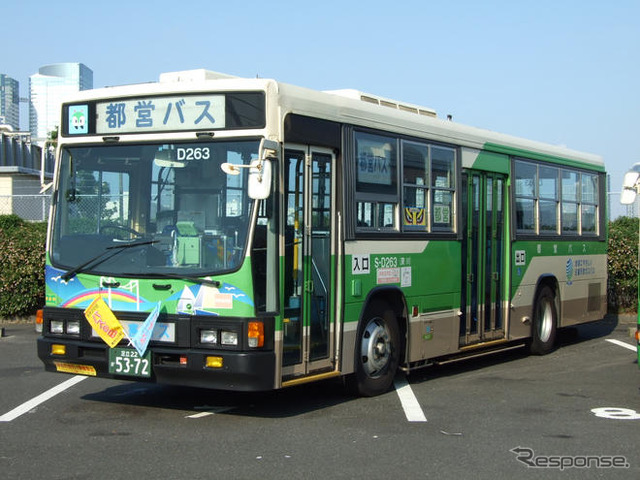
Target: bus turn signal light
(39, 320)
(58, 349)
(255, 334)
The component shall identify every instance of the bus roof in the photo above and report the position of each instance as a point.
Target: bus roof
(348, 106)
(411, 119)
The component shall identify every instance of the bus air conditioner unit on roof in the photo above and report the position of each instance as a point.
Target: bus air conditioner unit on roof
(384, 102)
(199, 75)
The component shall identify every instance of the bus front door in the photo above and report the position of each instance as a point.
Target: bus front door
(308, 298)
(483, 247)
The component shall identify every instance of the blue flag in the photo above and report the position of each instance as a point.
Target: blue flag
(141, 339)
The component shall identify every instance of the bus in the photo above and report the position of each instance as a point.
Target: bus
(266, 235)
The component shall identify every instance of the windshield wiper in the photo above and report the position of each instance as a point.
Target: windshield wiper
(191, 278)
(98, 259)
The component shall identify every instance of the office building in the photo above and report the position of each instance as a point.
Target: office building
(48, 89)
(9, 102)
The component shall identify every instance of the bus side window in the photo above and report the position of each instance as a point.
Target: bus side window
(376, 185)
(376, 215)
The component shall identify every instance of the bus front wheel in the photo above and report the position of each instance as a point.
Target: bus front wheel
(545, 317)
(377, 351)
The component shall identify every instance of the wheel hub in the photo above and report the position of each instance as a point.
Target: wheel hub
(375, 348)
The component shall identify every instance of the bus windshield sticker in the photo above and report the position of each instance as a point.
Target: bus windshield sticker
(441, 214)
(415, 217)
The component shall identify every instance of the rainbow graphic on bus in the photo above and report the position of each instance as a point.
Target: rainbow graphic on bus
(74, 294)
(89, 295)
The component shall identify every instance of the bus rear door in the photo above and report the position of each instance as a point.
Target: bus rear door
(483, 252)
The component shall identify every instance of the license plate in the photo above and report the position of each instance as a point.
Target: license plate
(126, 361)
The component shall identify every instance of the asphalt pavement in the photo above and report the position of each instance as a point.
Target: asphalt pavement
(572, 414)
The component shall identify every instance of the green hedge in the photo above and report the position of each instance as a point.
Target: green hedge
(623, 265)
(22, 257)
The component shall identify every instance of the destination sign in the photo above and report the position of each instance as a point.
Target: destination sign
(172, 113)
(162, 113)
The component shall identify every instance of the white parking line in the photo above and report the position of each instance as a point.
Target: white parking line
(207, 413)
(621, 344)
(409, 402)
(43, 397)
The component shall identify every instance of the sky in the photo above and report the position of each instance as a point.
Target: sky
(564, 72)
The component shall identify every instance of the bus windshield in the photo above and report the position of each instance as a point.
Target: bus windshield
(181, 214)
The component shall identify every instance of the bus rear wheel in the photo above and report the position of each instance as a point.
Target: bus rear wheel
(377, 352)
(545, 318)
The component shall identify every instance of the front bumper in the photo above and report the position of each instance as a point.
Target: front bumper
(178, 359)
(241, 371)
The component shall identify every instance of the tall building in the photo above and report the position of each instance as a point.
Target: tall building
(9, 102)
(48, 89)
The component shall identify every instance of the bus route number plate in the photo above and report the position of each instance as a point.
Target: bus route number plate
(126, 361)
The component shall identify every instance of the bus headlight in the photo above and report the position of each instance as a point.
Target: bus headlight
(56, 326)
(73, 328)
(208, 336)
(229, 338)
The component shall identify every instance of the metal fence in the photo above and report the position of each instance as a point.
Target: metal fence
(34, 208)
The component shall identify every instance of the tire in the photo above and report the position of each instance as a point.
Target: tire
(377, 352)
(545, 322)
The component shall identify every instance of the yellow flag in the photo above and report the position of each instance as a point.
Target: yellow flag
(104, 322)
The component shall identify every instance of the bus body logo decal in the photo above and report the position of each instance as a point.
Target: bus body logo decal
(569, 269)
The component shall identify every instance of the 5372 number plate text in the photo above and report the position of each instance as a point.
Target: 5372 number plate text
(126, 361)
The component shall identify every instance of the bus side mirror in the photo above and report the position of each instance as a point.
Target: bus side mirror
(630, 185)
(259, 184)
(260, 172)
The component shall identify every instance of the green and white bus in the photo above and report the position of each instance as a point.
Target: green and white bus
(289, 235)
